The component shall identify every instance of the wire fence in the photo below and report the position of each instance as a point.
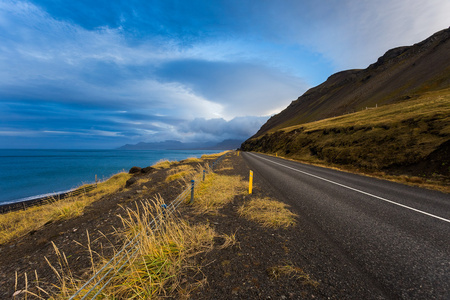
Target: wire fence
(108, 271)
(23, 205)
(6, 208)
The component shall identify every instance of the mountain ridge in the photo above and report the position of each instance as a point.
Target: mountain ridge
(390, 120)
(400, 74)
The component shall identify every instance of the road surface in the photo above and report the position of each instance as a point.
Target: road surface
(395, 235)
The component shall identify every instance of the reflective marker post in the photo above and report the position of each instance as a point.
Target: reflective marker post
(250, 184)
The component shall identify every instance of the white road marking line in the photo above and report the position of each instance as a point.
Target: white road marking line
(353, 189)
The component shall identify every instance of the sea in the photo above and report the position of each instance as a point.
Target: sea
(29, 174)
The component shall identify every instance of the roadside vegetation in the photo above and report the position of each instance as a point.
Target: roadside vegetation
(163, 256)
(164, 164)
(166, 261)
(165, 253)
(268, 213)
(213, 156)
(17, 223)
(217, 191)
(408, 138)
(179, 172)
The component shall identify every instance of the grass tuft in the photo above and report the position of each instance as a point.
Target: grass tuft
(192, 160)
(268, 213)
(164, 164)
(291, 271)
(213, 156)
(180, 172)
(163, 256)
(225, 165)
(216, 191)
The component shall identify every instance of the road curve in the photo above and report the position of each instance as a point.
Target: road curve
(396, 235)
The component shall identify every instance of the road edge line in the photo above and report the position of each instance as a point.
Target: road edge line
(356, 190)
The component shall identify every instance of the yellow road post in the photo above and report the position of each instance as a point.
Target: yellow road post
(250, 184)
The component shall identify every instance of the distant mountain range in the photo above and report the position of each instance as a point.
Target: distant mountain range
(402, 73)
(177, 145)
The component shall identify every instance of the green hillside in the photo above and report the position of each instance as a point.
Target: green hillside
(411, 137)
(401, 74)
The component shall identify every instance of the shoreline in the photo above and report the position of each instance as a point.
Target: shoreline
(33, 174)
(35, 197)
(24, 203)
(53, 194)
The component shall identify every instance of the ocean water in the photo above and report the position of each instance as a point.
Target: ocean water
(27, 174)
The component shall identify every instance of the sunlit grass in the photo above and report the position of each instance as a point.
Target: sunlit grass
(267, 212)
(213, 155)
(429, 104)
(216, 191)
(180, 172)
(164, 164)
(375, 140)
(192, 160)
(143, 181)
(163, 256)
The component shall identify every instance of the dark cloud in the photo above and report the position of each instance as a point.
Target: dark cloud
(105, 72)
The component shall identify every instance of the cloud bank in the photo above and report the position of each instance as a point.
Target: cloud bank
(86, 74)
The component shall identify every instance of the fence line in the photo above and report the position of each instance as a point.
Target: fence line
(22, 205)
(133, 243)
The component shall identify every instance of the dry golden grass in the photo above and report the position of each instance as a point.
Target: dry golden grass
(216, 191)
(164, 164)
(291, 271)
(192, 160)
(369, 141)
(143, 181)
(163, 256)
(18, 223)
(430, 104)
(225, 165)
(268, 213)
(181, 172)
(213, 156)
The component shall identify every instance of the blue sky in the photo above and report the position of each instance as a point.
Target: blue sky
(100, 74)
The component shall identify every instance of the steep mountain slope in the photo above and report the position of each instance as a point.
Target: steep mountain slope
(406, 131)
(400, 74)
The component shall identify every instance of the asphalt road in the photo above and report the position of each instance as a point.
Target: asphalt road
(397, 236)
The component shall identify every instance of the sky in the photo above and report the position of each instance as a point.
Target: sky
(100, 74)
